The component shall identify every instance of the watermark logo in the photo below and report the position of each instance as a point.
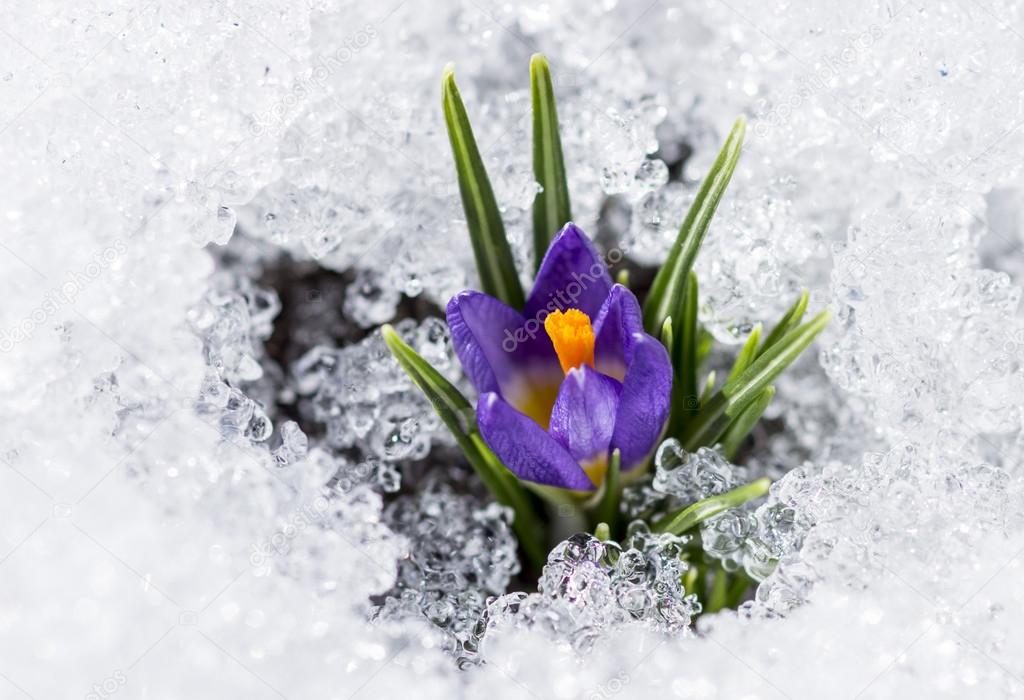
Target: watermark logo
(59, 297)
(613, 686)
(273, 120)
(776, 112)
(280, 542)
(560, 300)
(108, 686)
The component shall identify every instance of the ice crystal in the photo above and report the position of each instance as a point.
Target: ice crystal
(460, 555)
(159, 518)
(362, 397)
(694, 477)
(589, 587)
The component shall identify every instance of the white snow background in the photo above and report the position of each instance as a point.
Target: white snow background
(164, 531)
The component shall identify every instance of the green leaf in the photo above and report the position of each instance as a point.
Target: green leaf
(700, 582)
(691, 516)
(742, 424)
(703, 429)
(690, 578)
(667, 337)
(450, 404)
(738, 588)
(705, 344)
(714, 417)
(458, 415)
(765, 369)
(494, 260)
(551, 207)
(685, 396)
(790, 320)
(747, 354)
(718, 596)
(669, 283)
(623, 277)
(709, 386)
(607, 510)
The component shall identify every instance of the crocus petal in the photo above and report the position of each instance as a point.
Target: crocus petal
(526, 448)
(616, 323)
(498, 350)
(583, 417)
(572, 275)
(644, 403)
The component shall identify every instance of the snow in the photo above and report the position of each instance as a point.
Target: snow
(208, 208)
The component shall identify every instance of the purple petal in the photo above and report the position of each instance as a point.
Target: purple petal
(498, 349)
(619, 318)
(583, 417)
(572, 275)
(644, 404)
(526, 448)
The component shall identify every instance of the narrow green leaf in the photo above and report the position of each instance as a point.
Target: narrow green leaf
(714, 417)
(667, 338)
(790, 320)
(457, 414)
(704, 429)
(747, 354)
(704, 345)
(766, 368)
(607, 510)
(709, 386)
(700, 583)
(669, 283)
(494, 260)
(738, 588)
(742, 424)
(551, 207)
(690, 578)
(691, 516)
(718, 596)
(685, 395)
(450, 404)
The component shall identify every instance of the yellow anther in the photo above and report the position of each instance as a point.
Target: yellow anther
(573, 338)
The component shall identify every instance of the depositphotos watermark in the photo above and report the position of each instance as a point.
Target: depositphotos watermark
(107, 687)
(280, 542)
(59, 297)
(561, 300)
(273, 119)
(609, 688)
(827, 69)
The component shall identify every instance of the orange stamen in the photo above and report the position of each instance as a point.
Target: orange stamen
(573, 337)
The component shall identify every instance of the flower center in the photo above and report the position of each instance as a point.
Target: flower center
(573, 337)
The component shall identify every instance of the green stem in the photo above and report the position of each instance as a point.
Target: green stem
(738, 589)
(718, 597)
(607, 510)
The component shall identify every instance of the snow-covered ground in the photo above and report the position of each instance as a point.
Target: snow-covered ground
(208, 207)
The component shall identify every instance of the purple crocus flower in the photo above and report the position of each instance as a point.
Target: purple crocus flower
(557, 391)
